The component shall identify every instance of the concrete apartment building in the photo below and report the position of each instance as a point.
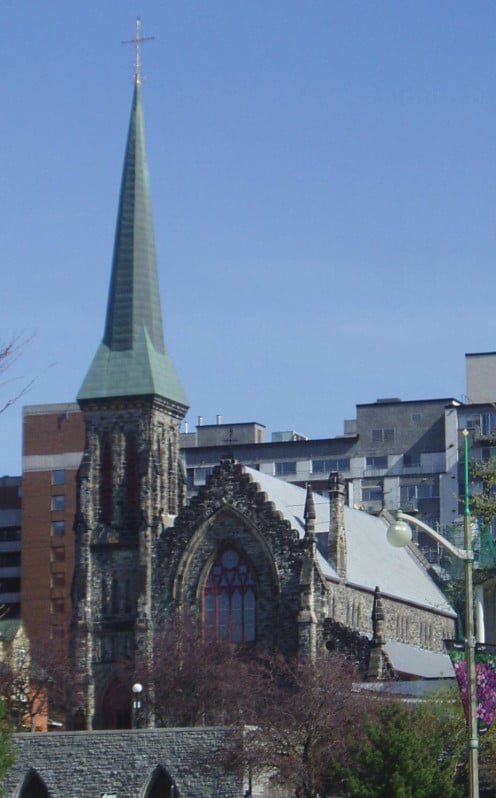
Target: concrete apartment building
(394, 454)
(10, 547)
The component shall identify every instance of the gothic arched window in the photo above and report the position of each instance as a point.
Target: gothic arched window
(106, 483)
(229, 600)
(132, 475)
(171, 486)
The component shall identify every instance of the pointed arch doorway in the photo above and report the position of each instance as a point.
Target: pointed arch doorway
(116, 706)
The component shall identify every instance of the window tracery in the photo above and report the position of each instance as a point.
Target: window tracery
(230, 599)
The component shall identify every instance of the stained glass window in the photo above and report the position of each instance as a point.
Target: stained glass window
(229, 604)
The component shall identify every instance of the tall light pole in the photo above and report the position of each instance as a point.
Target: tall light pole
(400, 534)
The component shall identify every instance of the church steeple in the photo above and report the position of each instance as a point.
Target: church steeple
(132, 359)
(130, 481)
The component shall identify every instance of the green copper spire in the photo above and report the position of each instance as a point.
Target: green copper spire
(132, 359)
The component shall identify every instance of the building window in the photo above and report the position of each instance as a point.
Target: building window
(58, 527)
(202, 474)
(410, 494)
(376, 461)
(58, 581)
(411, 459)
(385, 435)
(58, 503)
(58, 554)
(487, 453)
(328, 466)
(372, 493)
(58, 476)
(428, 490)
(285, 469)
(488, 424)
(229, 600)
(10, 559)
(58, 606)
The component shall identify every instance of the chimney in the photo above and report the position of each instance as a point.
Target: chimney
(219, 419)
(337, 538)
(200, 421)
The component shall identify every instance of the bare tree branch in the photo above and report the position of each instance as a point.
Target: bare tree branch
(9, 353)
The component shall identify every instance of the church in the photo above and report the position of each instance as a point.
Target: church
(257, 560)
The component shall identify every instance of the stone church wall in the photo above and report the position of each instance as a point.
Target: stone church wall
(233, 512)
(404, 622)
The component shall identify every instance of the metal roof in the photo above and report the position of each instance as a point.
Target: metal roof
(132, 359)
(371, 560)
(418, 662)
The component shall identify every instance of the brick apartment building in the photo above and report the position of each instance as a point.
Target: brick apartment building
(53, 439)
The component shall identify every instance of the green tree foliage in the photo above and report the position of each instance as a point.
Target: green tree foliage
(6, 755)
(483, 501)
(406, 754)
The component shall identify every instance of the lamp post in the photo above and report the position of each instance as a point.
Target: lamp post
(400, 534)
(137, 690)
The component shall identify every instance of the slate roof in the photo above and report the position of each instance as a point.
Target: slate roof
(132, 359)
(371, 560)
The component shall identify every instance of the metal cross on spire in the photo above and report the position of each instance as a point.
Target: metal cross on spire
(138, 41)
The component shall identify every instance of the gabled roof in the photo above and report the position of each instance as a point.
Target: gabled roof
(371, 560)
(9, 629)
(132, 359)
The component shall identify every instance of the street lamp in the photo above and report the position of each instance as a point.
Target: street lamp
(137, 690)
(400, 534)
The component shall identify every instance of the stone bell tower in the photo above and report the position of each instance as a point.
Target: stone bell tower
(130, 481)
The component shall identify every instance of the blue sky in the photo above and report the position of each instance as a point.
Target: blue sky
(323, 180)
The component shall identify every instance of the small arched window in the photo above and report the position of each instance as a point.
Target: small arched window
(229, 600)
(161, 785)
(34, 787)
